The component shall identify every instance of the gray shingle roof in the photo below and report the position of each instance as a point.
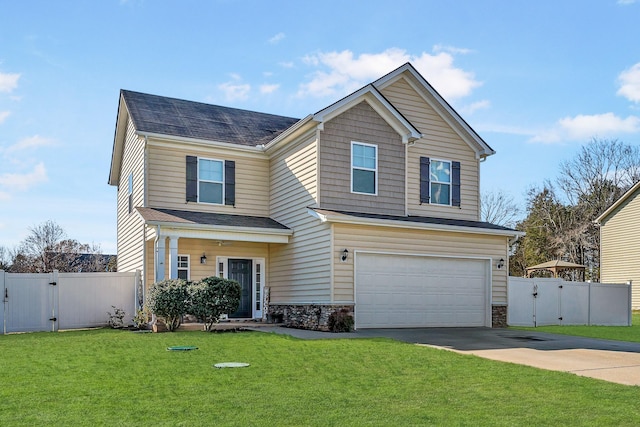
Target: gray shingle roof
(206, 218)
(423, 220)
(176, 117)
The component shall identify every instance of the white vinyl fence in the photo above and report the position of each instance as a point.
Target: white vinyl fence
(539, 302)
(54, 301)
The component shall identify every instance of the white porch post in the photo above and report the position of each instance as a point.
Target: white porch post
(173, 257)
(160, 256)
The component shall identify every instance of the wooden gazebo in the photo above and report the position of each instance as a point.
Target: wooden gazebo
(555, 267)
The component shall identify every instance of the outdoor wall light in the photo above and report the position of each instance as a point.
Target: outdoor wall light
(500, 264)
(203, 259)
(345, 255)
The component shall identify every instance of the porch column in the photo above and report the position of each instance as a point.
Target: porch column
(173, 257)
(160, 256)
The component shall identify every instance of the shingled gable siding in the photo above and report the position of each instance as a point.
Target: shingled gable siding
(300, 271)
(167, 179)
(129, 225)
(440, 142)
(619, 250)
(411, 241)
(361, 124)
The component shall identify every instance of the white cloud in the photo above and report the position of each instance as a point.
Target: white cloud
(4, 197)
(472, 108)
(235, 90)
(286, 64)
(451, 49)
(343, 72)
(4, 115)
(8, 82)
(277, 38)
(22, 182)
(582, 127)
(29, 143)
(626, 2)
(269, 88)
(630, 83)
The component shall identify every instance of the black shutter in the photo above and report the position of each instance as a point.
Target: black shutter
(192, 179)
(424, 180)
(455, 181)
(230, 182)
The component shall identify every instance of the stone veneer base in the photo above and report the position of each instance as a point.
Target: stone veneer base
(314, 317)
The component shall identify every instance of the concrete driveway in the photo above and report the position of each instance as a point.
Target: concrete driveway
(614, 361)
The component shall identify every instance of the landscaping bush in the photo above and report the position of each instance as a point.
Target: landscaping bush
(212, 297)
(340, 321)
(169, 299)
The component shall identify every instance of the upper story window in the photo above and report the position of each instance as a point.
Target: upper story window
(183, 267)
(364, 168)
(130, 192)
(211, 181)
(440, 177)
(439, 182)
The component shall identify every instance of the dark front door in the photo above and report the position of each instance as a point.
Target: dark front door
(240, 270)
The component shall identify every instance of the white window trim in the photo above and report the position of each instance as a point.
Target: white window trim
(188, 265)
(450, 183)
(257, 314)
(215, 182)
(375, 193)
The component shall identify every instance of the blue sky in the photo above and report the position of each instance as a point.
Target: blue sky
(536, 79)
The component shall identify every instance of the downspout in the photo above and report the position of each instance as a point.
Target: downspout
(406, 180)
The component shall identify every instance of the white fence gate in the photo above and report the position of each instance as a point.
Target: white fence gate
(53, 301)
(540, 302)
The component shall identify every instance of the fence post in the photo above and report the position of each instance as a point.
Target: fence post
(55, 286)
(629, 308)
(139, 291)
(4, 302)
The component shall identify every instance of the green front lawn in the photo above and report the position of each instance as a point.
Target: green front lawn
(619, 333)
(115, 378)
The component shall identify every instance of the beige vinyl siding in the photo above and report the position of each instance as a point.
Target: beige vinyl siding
(299, 272)
(361, 124)
(440, 142)
(167, 179)
(196, 247)
(130, 226)
(409, 242)
(620, 247)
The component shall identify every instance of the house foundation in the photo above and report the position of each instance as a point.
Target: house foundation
(314, 317)
(499, 316)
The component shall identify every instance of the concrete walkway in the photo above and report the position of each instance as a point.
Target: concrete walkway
(614, 361)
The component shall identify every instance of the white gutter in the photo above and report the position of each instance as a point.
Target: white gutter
(202, 142)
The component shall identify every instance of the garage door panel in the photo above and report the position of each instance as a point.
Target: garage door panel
(415, 291)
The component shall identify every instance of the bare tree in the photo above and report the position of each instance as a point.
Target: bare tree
(5, 258)
(599, 174)
(499, 208)
(47, 248)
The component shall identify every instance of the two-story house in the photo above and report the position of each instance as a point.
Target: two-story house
(370, 204)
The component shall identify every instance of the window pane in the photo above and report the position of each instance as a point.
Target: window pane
(440, 171)
(364, 181)
(210, 192)
(182, 274)
(364, 156)
(440, 194)
(210, 170)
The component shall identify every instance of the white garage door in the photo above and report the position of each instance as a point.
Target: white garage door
(402, 291)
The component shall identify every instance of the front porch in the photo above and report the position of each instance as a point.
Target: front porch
(195, 245)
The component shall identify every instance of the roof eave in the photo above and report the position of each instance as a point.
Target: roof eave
(118, 142)
(465, 131)
(617, 203)
(345, 219)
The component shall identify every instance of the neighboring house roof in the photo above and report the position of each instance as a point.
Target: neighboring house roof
(169, 116)
(626, 196)
(191, 218)
(429, 223)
